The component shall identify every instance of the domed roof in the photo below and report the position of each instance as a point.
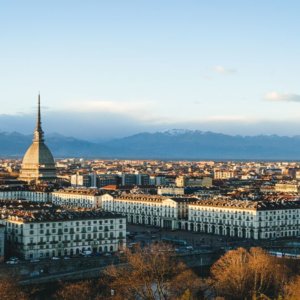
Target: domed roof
(38, 163)
(38, 154)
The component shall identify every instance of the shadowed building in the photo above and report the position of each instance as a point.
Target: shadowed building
(38, 163)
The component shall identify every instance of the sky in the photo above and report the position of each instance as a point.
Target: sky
(109, 69)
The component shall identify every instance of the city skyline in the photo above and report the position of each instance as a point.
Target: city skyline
(120, 68)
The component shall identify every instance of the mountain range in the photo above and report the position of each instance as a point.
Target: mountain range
(172, 144)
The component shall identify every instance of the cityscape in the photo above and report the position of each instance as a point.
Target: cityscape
(120, 205)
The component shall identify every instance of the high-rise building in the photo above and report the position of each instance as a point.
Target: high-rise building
(38, 163)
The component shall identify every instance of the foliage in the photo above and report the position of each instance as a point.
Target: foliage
(154, 273)
(71, 291)
(9, 290)
(242, 274)
(292, 289)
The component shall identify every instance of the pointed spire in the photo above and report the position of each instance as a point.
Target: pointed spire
(38, 133)
(38, 121)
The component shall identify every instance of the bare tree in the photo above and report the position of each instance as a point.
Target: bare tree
(70, 291)
(292, 289)
(152, 273)
(9, 290)
(242, 274)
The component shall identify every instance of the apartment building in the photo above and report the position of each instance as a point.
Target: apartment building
(85, 198)
(45, 233)
(150, 210)
(224, 174)
(35, 196)
(245, 219)
(287, 187)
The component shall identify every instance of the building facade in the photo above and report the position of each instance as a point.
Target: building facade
(63, 233)
(245, 219)
(35, 196)
(155, 210)
(85, 198)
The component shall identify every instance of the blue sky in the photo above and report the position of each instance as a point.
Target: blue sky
(113, 68)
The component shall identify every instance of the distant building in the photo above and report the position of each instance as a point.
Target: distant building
(224, 174)
(107, 179)
(38, 163)
(129, 179)
(157, 180)
(170, 191)
(287, 187)
(35, 196)
(85, 198)
(81, 180)
(186, 181)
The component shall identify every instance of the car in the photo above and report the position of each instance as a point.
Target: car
(13, 258)
(67, 257)
(107, 254)
(55, 258)
(34, 260)
(12, 262)
(34, 273)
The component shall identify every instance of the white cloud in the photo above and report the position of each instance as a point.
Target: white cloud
(223, 70)
(282, 97)
(139, 110)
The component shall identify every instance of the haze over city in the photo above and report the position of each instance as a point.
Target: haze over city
(109, 69)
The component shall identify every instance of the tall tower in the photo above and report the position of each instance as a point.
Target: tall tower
(38, 164)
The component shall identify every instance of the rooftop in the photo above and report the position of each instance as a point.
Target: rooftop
(249, 205)
(27, 212)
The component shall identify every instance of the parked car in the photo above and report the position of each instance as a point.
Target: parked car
(12, 262)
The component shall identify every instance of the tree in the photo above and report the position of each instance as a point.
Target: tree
(70, 291)
(9, 290)
(242, 274)
(292, 289)
(152, 272)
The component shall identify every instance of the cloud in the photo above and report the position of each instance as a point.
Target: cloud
(140, 110)
(282, 97)
(225, 71)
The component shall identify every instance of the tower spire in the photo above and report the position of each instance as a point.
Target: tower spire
(38, 133)
(38, 123)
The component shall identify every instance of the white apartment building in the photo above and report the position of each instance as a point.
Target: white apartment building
(245, 219)
(85, 198)
(35, 196)
(287, 187)
(44, 234)
(170, 190)
(151, 210)
(224, 174)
